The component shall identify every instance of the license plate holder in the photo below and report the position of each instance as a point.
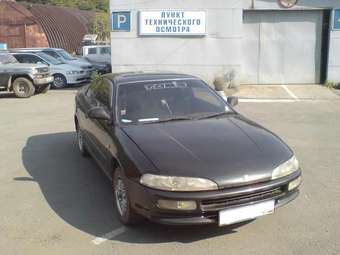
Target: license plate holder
(247, 212)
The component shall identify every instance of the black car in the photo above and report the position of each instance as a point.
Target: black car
(100, 67)
(177, 153)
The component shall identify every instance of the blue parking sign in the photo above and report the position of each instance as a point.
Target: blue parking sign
(336, 18)
(121, 21)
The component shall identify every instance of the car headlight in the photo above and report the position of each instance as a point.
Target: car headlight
(174, 183)
(286, 168)
(73, 72)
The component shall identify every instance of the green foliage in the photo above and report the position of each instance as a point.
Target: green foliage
(332, 85)
(93, 5)
(100, 25)
(96, 79)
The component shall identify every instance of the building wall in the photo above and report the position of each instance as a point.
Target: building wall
(218, 53)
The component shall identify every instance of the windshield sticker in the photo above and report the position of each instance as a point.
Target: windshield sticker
(147, 120)
(166, 85)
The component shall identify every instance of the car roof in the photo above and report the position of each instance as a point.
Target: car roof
(33, 49)
(134, 77)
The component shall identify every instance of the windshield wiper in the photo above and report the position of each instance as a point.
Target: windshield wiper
(167, 120)
(213, 115)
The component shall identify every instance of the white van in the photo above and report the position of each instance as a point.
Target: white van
(97, 53)
(64, 74)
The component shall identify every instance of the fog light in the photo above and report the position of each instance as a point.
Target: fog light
(294, 184)
(176, 205)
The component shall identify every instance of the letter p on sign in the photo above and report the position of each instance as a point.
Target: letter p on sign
(121, 21)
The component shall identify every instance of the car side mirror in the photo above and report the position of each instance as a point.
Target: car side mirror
(232, 101)
(98, 113)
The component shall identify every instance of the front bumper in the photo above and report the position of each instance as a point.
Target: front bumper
(43, 81)
(78, 78)
(144, 201)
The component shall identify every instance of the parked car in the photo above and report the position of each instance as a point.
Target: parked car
(102, 68)
(23, 79)
(177, 153)
(64, 74)
(97, 53)
(62, 55)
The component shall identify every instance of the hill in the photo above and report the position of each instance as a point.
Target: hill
(88, 5)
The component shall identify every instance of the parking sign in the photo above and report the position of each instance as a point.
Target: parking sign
(336, 20)
(121, 21)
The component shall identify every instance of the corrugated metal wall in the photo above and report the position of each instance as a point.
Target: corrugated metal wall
(18, 27)
(64, 28)
(42, 26)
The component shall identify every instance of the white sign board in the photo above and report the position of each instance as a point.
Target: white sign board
(172, 22)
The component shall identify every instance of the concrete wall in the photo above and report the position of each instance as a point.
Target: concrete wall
(216, 54)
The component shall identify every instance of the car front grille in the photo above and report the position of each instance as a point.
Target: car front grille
(223, 203)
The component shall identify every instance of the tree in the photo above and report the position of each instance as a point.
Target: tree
(100, 25)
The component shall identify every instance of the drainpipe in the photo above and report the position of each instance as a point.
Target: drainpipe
(252, 4)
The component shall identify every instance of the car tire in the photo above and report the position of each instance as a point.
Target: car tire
(23, 88)
(121, 199)
(44, 89)
(81, 143)
(59, 82)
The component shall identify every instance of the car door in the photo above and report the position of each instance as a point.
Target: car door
(4, 77)
(100, 132)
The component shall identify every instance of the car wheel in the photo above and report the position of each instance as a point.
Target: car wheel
(81, 143)
(121, 199)
(23, 88)
(43, 89)
(59, 81)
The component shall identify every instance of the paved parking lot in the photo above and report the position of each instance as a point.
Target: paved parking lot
(53, 201)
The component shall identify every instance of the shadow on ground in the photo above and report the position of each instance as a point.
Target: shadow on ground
(81, 195)
(7, 95)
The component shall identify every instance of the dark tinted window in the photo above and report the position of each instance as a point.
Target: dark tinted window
(157, 101)
(105, 50)
(92, 51)
(26, 58)
(52, 54)
(101, 91)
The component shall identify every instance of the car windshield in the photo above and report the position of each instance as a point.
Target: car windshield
(161, 101)
(66, 55)
(49, 59)
(7, 59)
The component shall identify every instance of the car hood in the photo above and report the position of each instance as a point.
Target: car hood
(25, 66)
(231, 151)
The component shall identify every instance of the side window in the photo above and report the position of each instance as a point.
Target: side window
(105, 50)
(101, 92)
(52, 54)
(92, 51)
(19, 58)
(30, 59)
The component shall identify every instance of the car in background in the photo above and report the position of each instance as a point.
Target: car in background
(64, 74)
(97, 53)
(62, 55)
(177, 153)
(24, 80)
(102, 68)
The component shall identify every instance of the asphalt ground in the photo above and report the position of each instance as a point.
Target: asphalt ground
(53, 201)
